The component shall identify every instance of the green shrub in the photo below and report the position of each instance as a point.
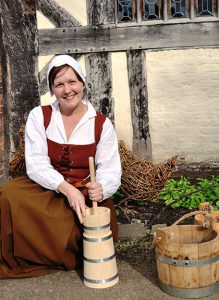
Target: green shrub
(182, 193)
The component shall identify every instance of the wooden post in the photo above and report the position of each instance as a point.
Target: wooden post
(19, 62)
(98, 65)
(101, 12)
(1, 125)
(139, 103)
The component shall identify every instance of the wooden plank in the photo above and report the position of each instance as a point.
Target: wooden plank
(205, 272)
(163, 272)
(19, 61)
(190, 251)
(197, 234)
(175, 250)
(174, 234)
(215, 271)
(87, 39)
(190, 274)
(139, 103)
(215, 251)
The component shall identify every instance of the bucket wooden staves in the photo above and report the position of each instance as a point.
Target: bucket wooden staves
(187, 260)
(100, 269)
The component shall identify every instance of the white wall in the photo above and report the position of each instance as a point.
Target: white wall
(183, 89)
(121, 96)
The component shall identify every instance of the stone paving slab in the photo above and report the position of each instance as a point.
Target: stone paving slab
(132, 231)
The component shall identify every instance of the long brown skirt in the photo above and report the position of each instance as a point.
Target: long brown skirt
(39, 232)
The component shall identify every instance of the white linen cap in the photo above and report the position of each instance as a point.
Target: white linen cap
(60, 60)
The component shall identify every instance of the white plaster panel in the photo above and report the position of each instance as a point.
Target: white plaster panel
(183, 89)
(77, 8)
(122, 110)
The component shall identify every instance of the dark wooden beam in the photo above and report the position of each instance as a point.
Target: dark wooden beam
(56, 14)
(19, 61)
(88, 39)
(139, 103)
(101, 12)
(99, 79)
(99, 65)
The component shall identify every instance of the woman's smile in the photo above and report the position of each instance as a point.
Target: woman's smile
(69, 97)
(68, 89)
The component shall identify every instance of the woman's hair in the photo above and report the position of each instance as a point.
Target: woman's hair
(55, 70)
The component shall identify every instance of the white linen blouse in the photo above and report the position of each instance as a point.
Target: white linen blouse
(38, 166)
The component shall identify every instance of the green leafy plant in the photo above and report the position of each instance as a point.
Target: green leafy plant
(182, 193)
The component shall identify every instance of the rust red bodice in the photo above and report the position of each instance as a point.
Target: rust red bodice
(72, 160)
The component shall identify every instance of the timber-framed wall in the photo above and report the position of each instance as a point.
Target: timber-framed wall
(1, 125)
(19, 68)
(22, 42)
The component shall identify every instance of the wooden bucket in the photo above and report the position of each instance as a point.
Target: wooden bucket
(201, 218)
(100, 269)
(187, 259)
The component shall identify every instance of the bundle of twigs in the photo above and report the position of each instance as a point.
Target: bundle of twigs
(141, 179)
(17, 164)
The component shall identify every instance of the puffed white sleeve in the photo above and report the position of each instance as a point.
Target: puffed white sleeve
(107, 161)
(38, 166)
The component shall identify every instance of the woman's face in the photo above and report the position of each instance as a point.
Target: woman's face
(68, 89)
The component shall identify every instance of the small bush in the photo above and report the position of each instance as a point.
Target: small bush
(182, 193)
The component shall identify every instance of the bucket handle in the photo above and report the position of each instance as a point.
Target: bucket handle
(93, 179)
(206, 224)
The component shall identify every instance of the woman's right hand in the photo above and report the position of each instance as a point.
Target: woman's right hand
(75, 198)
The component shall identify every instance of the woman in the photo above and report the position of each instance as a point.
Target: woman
(42, 215)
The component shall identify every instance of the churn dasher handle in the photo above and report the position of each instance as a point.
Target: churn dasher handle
(93, 179)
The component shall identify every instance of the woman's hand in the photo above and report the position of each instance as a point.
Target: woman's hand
(95, 191)
(75, 198)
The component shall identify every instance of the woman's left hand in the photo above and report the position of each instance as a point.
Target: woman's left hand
(95, 191)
